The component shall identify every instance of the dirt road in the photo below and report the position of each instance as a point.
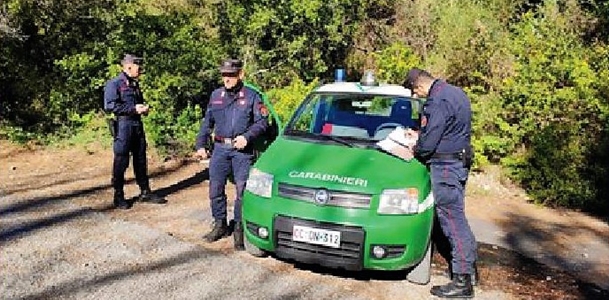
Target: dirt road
(61, 239)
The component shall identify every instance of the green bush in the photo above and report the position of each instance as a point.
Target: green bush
(537, 72)
(89, 129)
(554, 112)
(393, 62)
(286, 100)
(16, 134)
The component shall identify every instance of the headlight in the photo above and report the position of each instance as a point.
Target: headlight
(399, 202)
(259, 183)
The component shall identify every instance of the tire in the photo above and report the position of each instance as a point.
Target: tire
(253, 250)
(421, 273)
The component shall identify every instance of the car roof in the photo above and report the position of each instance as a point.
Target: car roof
(358, 88)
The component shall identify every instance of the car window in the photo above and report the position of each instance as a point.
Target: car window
(356, 116)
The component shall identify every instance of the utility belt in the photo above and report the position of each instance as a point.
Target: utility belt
(450, 156)
(466, 156)
(128, 118)
(113, 122)
(223, 140)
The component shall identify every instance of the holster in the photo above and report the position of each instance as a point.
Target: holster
(468, 156)
(112, 126)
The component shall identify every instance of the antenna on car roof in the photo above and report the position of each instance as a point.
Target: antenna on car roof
(368, 79)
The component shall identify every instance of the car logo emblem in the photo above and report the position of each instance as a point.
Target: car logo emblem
(322, 197)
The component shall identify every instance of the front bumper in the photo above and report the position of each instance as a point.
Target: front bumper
(348, 256)
(405, 237)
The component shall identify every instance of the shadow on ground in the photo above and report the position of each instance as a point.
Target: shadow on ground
(71, 287)
(499, 269)
(560, 246)
(197, 178)
(23, 228)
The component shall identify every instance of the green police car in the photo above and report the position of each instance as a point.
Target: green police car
(325, 193)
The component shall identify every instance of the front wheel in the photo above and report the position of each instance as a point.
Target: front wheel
(421, 273)
(253, 250)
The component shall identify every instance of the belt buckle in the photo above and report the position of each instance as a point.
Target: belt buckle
(227, 141)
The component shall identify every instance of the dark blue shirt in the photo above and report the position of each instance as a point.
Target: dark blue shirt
(446, 122)
(232, 113)
(121, 94)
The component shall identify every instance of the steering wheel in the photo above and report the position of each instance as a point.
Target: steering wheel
(387, 125)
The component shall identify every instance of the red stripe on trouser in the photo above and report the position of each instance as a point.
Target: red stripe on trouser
(457, 239)
(455, 234)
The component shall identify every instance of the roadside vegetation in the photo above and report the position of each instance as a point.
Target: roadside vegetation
(537, 71)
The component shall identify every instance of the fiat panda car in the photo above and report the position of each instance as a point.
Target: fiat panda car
(324, 193)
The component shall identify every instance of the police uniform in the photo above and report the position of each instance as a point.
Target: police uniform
(445, 144)
(230, 113)
(121, 94)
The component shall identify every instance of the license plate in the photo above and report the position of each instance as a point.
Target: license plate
(316, 236)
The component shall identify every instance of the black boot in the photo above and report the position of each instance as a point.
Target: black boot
(459, 287)
(119, 200)
(238, 236)
(475, 278)
(219, 231)
(150, 197)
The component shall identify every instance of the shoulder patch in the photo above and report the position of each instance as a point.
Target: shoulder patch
(264, 111)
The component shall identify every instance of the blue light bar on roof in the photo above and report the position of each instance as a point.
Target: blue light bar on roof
(339, 75)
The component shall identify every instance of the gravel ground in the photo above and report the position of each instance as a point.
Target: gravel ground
(94, 256)
(59, 239)
(71, 252)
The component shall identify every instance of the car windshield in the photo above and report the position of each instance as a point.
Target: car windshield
(363, 118)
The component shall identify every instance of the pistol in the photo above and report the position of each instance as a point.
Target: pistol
(112, 126)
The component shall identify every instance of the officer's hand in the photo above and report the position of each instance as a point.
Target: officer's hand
(141, 108)
(411, 133)
(147, 109)
(203, 153)
(240, 142)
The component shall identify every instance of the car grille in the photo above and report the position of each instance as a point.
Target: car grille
(337, 198)
(348, 256)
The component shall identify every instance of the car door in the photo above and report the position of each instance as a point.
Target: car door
(263, 142)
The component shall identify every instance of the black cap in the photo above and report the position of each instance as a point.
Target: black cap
(413, 76)
(231, 66)
(132, 59)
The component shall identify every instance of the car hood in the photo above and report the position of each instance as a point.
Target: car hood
(339, 167)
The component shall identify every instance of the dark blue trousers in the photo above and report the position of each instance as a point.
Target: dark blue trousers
(448, 179)
(225, 159)
(129, 140)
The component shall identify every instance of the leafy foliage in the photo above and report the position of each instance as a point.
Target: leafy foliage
(553, 103)
(537, 72)
(286, 100)
(307, 38)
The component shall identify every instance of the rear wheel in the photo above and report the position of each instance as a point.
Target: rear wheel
(421, 273)
(253, 250)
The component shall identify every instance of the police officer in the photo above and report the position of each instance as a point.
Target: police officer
(445, 144)
(123, 98)
(237, 117)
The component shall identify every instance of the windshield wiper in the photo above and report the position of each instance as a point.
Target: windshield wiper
(320, 136)
(335, 139)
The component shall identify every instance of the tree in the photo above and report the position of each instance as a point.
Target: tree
(301, 37)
